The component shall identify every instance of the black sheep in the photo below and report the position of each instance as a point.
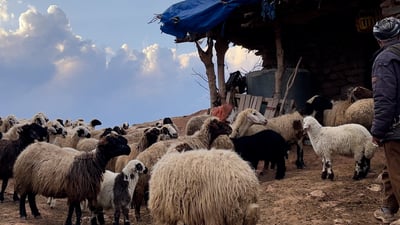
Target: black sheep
(266, 145)
(10, 149)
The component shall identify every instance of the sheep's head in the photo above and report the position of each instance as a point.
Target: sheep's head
(152, 135)
(309, 122)
(216, 127)
(168, 131)
(56, 128)
(82, 131)
(40, 118)
(113, 145)
(317, 103)
(11, 120)
(255, 116)
(32, 132)
(133, 168)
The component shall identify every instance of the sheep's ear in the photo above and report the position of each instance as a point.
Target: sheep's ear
(297, 125)
(139, 167)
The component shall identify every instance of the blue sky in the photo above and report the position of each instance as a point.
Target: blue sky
(99, 59)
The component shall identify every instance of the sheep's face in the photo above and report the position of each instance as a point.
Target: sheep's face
(255, 117)
(33, 132)
(217, 127)
(83, 131)
(133, 169)
(113, 145)
(169, 130)
(56, 128)
(11, 120)
(308, 122)
(152, 135)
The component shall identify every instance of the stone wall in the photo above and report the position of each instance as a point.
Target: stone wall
(336, 53)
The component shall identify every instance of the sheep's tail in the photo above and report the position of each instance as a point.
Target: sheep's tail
(252, 214)
(370, 149)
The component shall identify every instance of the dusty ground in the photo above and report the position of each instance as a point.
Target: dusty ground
(301, 198)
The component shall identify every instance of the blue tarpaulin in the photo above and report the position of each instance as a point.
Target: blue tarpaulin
(197, 16)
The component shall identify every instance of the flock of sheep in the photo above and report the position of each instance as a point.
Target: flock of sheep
(205, 176)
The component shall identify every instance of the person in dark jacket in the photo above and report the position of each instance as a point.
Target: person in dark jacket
(386, 124)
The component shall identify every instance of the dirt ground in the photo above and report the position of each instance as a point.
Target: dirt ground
(301, 198)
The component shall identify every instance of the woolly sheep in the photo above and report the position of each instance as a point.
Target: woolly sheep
(63, 173)
(10, 149)
(116, 192)
(149, 137)
(202, 139)
(361, 112)
(266, 145)
(347, 139)
(73, 137)
(242, 122)
(204, 187)
(290, 127)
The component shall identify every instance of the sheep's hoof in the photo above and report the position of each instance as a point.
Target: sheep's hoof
(127, 223)
(38, 216)
(15, 198)
(324, 175)
(300, 165)
(331, 176)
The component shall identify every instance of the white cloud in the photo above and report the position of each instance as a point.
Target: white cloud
(46, 67)
(4, 16)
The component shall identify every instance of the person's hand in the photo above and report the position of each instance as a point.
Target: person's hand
(376, 141)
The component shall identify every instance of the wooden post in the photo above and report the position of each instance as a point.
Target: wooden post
(280, 62)
(221, 46)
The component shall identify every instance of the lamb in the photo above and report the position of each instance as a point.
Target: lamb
(10, 149)
(347, 139)
(203, 138)
(116, 192)
(204, 187)
(266, 145)
(78, 174)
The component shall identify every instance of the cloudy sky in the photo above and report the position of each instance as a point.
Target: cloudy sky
(99, 59)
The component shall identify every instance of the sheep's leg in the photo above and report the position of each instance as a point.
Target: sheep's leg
(300, 160)
(324, 173)
(328, 165)
(3, 189)
(70, 212)
(117, 213)
(32, 204)
(280, 169)
(78, 213)
(97, 214)
(15, 195)
(22, 208)
(125, 211)
(137, 202)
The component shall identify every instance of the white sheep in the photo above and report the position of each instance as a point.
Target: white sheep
(347, 139)
(47, 169)
(202, 139)
(116, 192)
(204, 187)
